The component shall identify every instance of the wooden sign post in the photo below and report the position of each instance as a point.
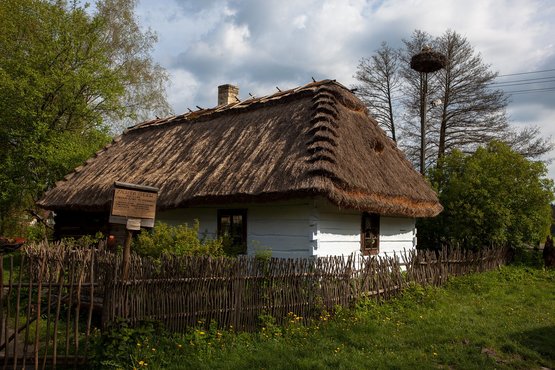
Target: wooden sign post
(135, 207)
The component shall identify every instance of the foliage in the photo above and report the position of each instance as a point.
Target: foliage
(494, 196)
(124, 346)
(501, 319)
(65, 72)
(37, 232)
(180, 240)
(85, 241)
(528, 257)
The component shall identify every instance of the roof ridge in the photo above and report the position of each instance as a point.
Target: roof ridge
(322, 135)
(204, 112)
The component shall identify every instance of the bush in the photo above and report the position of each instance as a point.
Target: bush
(491, 197)
(122, 346)
(180, 240)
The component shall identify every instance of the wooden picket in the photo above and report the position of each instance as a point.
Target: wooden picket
(53, 296)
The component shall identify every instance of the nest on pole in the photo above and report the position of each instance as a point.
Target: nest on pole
(428, 61)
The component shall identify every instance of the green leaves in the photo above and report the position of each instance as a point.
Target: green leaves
(180, 240)
(66, 75)
(494, 196)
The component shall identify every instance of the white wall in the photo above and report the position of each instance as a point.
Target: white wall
(396, 234)
(338, 231)
(300, 228)
(282, 227)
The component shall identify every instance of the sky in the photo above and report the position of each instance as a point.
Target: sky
(259, 45)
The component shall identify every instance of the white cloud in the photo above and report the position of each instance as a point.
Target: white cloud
(263, 44)
(182, 90)
(300, 22)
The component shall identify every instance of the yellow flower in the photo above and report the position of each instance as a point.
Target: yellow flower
(142, 363)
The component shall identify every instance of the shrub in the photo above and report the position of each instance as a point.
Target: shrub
(123, 346)
(180, 240)
(493, 196)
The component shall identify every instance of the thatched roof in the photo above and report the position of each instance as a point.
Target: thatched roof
(315, 140)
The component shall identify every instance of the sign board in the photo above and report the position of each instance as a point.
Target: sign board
(133, 224)
(131, 201)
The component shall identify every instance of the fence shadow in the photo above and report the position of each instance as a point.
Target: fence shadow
(540, 340)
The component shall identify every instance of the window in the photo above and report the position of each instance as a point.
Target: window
(232, 226)
(370, 234)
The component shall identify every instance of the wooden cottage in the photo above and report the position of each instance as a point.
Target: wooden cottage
(303, 172)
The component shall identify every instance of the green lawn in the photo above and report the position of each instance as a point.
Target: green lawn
(501, 319)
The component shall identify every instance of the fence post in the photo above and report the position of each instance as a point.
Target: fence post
(107, 286)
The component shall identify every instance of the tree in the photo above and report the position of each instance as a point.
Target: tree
(416, 119)
(379, 83)
(128, 52)
(472, 113)
(493, 196)
(465, 112)
(65, 73)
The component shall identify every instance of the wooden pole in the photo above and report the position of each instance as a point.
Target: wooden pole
(423, 123)
(127, 254)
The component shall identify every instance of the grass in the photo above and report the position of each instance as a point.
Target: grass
(503, 319)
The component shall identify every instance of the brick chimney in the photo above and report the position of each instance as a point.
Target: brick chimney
(227, 94)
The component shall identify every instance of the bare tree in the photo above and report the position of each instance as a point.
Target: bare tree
(528, 142)
(418, 141)
(471, 112)
(465, 111)
(379, 85)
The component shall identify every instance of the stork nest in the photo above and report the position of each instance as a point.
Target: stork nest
(428, 60)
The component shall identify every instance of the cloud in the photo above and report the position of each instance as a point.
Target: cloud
(263, 44)
(263, 41)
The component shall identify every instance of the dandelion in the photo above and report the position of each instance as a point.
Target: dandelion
(142, 363)
(138, 344)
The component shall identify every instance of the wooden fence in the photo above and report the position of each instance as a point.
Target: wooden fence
(54, 297)
(44, 318)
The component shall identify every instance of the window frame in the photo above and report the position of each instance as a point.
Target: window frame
(374, 221)
(233, 212)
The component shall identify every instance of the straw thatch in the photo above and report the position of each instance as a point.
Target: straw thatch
(315, 140)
